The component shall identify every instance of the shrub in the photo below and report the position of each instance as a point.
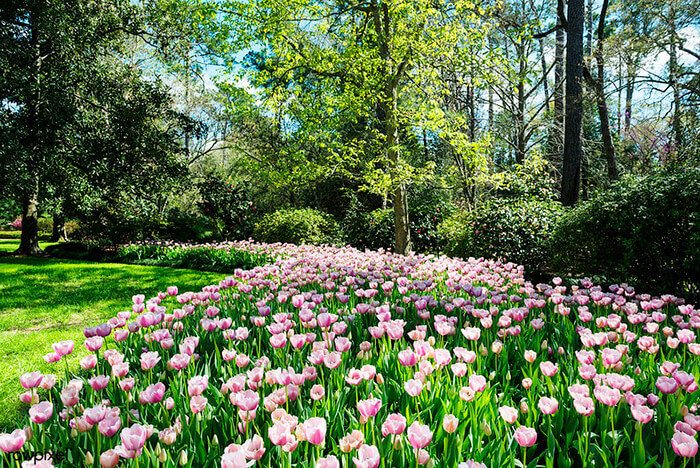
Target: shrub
(183, 226)
(643, 232)
(375, 229)
(514, 230)
(228, 205)
(297, 226)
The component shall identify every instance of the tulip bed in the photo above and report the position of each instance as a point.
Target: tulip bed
(334, 357)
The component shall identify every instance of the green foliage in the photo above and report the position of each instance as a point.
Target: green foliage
(531, 179)
(514, 230)
(9, 211)
(180, 225)
(198, 257)
(368, 230)
(228, 205)
(374, 229)
(642, 231)
(297, 226)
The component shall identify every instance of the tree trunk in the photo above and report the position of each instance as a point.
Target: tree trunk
(571, 168)
(629, 92)
(520, 142)
(558, 130)
(59, 228)
(673, 80)
(402, 231)
(599, 87)
(544, 72)
(29, 240)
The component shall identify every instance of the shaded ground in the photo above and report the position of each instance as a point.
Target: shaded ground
(44, 300)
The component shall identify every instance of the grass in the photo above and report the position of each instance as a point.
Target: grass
(44, 300)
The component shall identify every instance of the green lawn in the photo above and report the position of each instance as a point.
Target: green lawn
(45, 300)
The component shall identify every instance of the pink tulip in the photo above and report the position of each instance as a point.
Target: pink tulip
(13, 442)
(109, 459)
(606, 395)
(549, 369)
(48, 381)
(329, 462)
(450, 423)
(248, 400)
(94, 343)
(584, 405)
(95, 414)
(31, 380)
(254, 448)
(280, 434)
(197, 385)
(413, 387)
(370, 407)
(508, 413)
(109, 426)
(317, 392)
(88, 362)
(149, 360)
(99, 382)
(367, 457)
(477, 383)
(525, 436)
(684, 445)
(315, 430)
(530, 356)
(395, 424)
(548, 405)
(234, 460)
(41, 412)
(419, 435)
(666, 385)
(197, 404)
(134, 437)
(70, 396)
(152, 394)
(63, 348)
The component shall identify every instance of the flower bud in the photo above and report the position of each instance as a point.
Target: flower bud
(89, 460)
(183, 458)
(163, 456)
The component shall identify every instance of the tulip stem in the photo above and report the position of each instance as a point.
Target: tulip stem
(524, 457)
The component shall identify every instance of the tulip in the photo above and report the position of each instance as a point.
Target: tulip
(370, 407)
(31, 380)
(109, 459)
(525, 436)
(419, 435)
(315, 430)
(684, 445)
(367, 457)
(450, 423)
(13, 442)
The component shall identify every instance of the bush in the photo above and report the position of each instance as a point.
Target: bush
(643, 232)
(368, 230)
(228, 205)
(297, 226)
(182, 226)
(513, 230)
(375, 229)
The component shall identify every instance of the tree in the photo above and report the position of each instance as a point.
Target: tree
(360, 62)
(598, 86)
(571, 169)
(73, 117)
